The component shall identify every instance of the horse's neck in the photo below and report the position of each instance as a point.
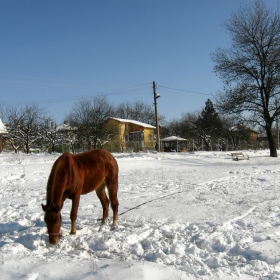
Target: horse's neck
(55, 195)
(58, 181)
(56, 186)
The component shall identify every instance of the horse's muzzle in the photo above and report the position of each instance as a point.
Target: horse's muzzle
(54, 238)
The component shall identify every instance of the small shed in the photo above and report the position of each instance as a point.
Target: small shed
(174, 144)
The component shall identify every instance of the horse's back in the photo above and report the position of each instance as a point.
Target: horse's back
(98, 158)
(85, 171)
(95, 167)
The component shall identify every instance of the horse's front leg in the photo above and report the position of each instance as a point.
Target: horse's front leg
(74, 213)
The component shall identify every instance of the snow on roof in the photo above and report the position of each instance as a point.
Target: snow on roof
(2, 127)
(241, 126)
(63, 126)
(173, 138)
(134, 122)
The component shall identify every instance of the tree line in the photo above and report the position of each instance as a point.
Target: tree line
(29, 127)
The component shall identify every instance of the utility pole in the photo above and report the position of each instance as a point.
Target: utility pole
(156, 96)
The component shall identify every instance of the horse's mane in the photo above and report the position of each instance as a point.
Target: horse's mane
(57, 176)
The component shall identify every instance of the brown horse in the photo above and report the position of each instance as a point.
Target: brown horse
(73, 175)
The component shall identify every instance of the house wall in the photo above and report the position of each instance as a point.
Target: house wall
(149, 136)
(253, 136)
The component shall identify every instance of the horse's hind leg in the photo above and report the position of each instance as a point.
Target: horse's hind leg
(104, 202)
(113, 195)
(115, 204)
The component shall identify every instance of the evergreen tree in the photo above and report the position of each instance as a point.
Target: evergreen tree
(209, 126)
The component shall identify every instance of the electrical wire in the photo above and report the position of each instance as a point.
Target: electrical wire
(145, 88)
(138, 89)
(169, 89)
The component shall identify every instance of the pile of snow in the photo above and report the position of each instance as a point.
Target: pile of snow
(182, 216)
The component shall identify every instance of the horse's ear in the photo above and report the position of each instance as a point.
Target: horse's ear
(44, 207)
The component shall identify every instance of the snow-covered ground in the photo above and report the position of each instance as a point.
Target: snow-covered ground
(199, 216)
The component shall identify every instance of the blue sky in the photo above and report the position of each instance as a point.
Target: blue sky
(56, 52)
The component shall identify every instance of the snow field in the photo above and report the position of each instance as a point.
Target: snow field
(182, 216)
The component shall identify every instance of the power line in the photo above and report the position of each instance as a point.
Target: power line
(125, 90)
(107, 92)
(183, 90)
(144, 88)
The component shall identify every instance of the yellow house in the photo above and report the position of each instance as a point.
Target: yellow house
(131, 136)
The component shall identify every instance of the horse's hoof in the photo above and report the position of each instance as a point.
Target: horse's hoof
(105, 222)
(103, 227)
(72, 232)
(114, 227)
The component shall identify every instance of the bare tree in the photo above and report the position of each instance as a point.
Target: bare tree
(51, 137)
(123, 110)
(250, 68)
(24, 126)
(185, 128)
(89, 118)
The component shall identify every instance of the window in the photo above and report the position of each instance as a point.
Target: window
(136, 136)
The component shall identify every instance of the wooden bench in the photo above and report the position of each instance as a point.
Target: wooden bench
(238, 156)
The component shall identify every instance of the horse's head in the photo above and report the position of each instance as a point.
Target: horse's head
(53, 221)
